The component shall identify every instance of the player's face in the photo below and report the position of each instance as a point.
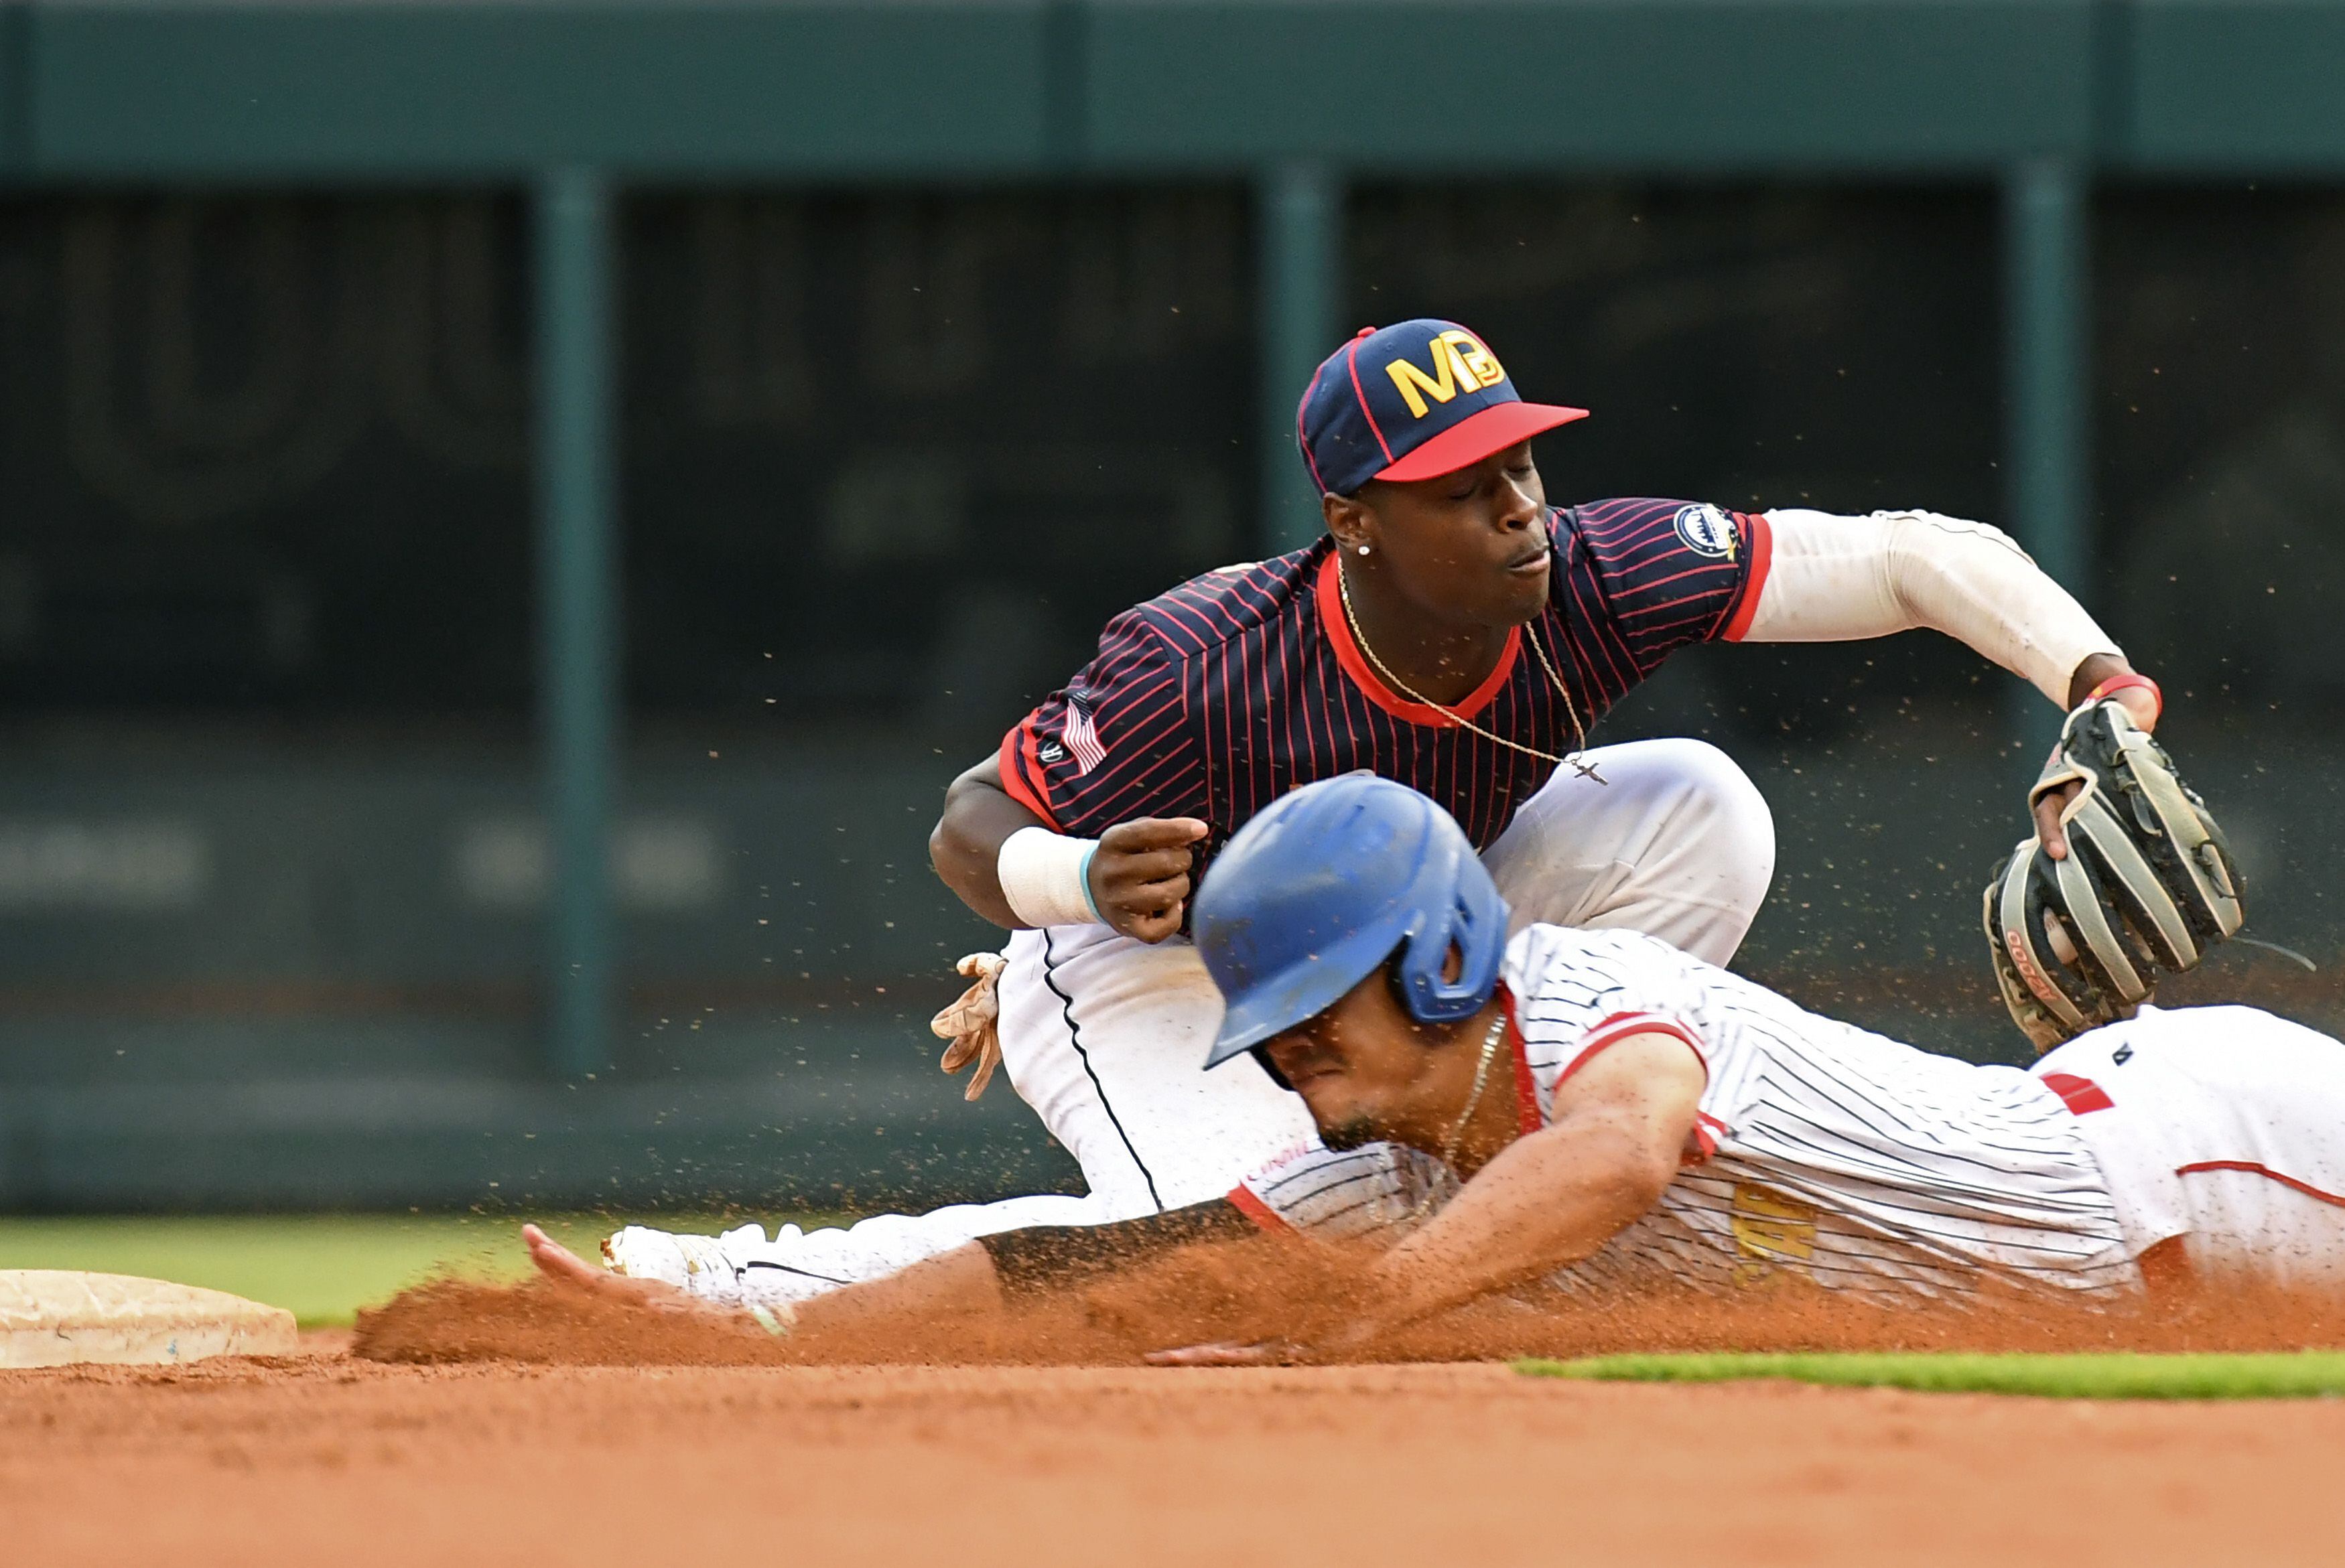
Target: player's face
(1469, 546)
(1368, 1071)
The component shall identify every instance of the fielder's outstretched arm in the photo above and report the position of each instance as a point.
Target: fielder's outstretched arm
(1834, 579)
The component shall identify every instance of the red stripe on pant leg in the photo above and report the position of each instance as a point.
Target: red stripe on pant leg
(2252, 1168)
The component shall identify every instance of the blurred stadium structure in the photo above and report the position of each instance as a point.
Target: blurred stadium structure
(422, 790)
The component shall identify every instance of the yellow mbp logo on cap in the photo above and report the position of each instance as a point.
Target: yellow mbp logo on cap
(1461, 364)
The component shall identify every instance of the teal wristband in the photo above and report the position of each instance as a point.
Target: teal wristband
(1084, 873)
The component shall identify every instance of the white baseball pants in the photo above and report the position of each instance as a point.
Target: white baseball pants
(2224, 1126)
(1104, 1035)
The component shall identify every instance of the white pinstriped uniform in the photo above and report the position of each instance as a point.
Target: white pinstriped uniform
(1829, 1152)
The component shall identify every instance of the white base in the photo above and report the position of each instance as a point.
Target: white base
(57, 1318)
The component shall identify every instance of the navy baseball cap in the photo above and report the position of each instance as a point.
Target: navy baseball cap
(1411, 401)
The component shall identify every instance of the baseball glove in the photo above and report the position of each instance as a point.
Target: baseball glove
(2148, 885)
(973, 1024)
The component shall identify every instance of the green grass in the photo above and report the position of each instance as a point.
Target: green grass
(321, 1267)
(2104, 1376)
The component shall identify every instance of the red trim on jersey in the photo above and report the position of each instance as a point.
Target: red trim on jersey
(1762, 545)
(1351, 362)
(1347, 654)
(1527, 1119)
(2079, 1095)
(1611, 1031)
(1707, 1130)
(2253, 1168)
(1246, 1201)
(1017, 758)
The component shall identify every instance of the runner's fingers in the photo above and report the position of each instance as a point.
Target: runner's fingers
(558, 1262)
(1223, 1354)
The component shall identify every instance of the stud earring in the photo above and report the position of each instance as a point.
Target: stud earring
(1364, 549)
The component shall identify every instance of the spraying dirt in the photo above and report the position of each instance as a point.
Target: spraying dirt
(1264, 1292)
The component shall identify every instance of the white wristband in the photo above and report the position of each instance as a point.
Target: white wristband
(1046, 877)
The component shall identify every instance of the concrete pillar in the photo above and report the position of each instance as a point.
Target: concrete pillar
(578, 605)
(1299, 295)
(2047, 374)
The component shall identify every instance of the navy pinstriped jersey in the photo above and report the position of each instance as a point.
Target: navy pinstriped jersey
(1213, 700)
(1819, 1150)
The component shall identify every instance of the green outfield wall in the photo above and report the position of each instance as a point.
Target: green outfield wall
(148, 89)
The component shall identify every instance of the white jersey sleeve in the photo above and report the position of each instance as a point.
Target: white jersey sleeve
(1834, 578)
(1379, 1191)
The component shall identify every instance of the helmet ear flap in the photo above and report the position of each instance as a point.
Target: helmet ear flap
(1475, 924)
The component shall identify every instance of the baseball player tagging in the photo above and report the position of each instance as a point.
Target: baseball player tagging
(1451, 632)
(1596, 1109)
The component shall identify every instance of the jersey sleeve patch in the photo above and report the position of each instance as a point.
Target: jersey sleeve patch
(1113, 744)
(1668, 574)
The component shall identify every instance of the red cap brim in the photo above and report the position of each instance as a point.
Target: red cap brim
(1467, 442)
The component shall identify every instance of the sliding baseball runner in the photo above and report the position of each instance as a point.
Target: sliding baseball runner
(1596, 1111)
(1451, 632)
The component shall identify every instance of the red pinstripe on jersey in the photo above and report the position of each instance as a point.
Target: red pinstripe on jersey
(1214, 699)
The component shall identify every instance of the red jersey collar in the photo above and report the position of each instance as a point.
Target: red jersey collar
(1527, 1119)
(1338, 629)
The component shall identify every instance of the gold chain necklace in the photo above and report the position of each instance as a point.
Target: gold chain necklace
(1424, 1205)
(1574, 758)
(1481, 1081)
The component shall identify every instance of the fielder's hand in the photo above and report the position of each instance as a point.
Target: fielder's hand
(1140, 875)
(2140, 705)
(973, 1024)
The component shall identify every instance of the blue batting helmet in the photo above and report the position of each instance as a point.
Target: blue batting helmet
(1315, 893)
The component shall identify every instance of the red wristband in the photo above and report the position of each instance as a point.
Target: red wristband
(2131, 681)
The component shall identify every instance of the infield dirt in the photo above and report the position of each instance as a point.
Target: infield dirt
(325, 1459)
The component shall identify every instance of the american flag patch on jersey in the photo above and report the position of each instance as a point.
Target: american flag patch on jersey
(1082, 739)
